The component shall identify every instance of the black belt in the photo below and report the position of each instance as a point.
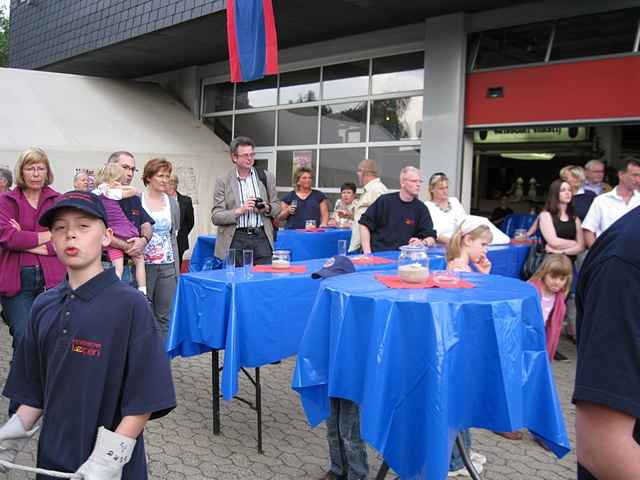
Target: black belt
(250, 230)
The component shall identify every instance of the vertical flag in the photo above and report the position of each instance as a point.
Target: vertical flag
(253, 43)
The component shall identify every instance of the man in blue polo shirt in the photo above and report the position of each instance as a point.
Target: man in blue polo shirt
(91, 359)
(397, 219)
(607, 387)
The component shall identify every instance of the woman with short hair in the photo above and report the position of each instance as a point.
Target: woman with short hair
(161, 253)
(28, 263)
(304, 203)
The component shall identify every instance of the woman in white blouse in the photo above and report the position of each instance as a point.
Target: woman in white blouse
(446, 212)
(161, 253)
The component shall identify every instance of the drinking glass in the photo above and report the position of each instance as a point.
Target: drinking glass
(247, 263)
(310, 224)
(294, 204)
(230, 263)
(342, 247)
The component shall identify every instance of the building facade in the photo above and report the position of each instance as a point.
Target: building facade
(403, 83)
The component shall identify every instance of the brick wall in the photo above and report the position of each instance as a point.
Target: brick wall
(47, 31)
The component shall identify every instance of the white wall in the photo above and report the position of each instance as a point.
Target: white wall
(80, 120)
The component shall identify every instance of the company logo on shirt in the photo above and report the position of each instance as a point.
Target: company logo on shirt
(409, 221)
(86, 347)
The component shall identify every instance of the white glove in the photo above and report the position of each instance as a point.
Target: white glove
(110, 454)
(13, 438)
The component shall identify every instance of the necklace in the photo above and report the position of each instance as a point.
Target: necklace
(445, 209)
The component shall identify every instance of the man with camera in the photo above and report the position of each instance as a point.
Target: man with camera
(243, 206)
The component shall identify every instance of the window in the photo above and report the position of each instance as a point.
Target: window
(221, 126)
(285, 162)
(514, 46)
(344, 123)
(327, 117)
(259, 93)
(396, 119)
(218, 98)
(345, 80)
(300, 87)
(298, 126)
(260, 126)
(338, 166)
(602, 34)
(392, 159)
(400, 73)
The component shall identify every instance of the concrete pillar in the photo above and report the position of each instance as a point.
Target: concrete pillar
(610, 140)
(444, 84)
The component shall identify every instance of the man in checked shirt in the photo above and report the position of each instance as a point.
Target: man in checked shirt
(243, 206)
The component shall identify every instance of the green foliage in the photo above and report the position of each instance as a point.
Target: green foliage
(4, 37)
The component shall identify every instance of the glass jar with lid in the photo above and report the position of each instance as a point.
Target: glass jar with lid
(413, 263)
(281, 259)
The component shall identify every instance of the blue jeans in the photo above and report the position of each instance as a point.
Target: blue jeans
(456, 462)
(16, 309)
(346, 449)
(128, 276)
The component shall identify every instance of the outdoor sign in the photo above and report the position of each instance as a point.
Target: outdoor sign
(531, 135)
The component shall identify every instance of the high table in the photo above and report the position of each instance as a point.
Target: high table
(256, 321)
(303, 245)
(426, 364)
(507, 260)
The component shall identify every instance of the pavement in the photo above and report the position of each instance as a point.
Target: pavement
(182, 445)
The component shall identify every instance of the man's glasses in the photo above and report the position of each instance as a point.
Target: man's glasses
(245, 155)
(129, 169)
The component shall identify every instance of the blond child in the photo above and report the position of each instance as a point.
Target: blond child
(110, 190)
(467, 252)
(553, 283)
(467, 249)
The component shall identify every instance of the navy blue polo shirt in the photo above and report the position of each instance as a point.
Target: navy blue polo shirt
(132, 208)
(89, 357)
(608, 322)
(392, 222)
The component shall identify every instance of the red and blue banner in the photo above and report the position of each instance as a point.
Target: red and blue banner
(253, 43)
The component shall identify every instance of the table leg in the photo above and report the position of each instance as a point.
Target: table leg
(465, 458)
(215, 391)
(384, 468)
(259, 409)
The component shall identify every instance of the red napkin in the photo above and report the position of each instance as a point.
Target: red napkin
(310, 230)
(393, 281)
(270, 269)
(371, 260)
(523, 242)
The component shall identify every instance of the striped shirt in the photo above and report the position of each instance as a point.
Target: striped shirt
(249, 188)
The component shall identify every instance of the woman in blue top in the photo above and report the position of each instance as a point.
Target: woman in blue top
(304, 203)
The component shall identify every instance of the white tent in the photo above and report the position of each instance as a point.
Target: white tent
(80, 120)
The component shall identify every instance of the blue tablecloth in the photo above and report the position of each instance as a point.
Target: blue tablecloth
(303, 245)
(256, 321)
(507, 260)
(515, 221)
(425, 364)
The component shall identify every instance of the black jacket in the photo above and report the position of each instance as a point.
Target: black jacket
(186, 222)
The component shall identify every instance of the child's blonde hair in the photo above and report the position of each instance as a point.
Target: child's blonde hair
(111, 172)
(556, 265)
(470, 229)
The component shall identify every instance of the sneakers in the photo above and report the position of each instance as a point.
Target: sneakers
(478, 460)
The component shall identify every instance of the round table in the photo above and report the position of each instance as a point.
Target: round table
(424, 364)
